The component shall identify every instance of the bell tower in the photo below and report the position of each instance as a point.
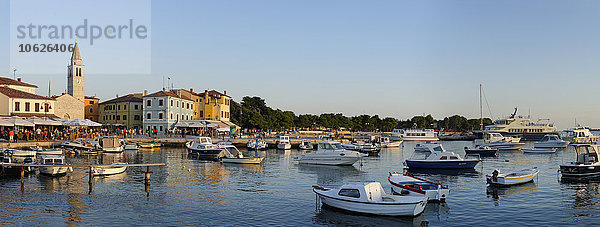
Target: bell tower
(75, 75)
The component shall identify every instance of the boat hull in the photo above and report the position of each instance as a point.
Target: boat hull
(207, 153)
(108, 170)
(433, 192)
(539, 151)
(449, 164)
(506, 146)
(113, 149)
(336, 160)
(385, 209)
(508, 181)
(575, 171)
(482, 152)
(247, 160)
(53, 170)
(551, 144)
(285, 146)
(528, 136)
(392, 144)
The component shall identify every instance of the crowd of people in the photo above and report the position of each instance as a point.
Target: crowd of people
(52, 133)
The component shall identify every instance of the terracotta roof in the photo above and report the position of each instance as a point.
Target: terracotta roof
(126, 98)
(166, 93)
(12, 93)
(214, 93)
(9, 81)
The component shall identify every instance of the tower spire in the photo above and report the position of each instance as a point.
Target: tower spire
(75, 57)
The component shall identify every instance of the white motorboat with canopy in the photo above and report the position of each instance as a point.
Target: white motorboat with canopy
(233, 155)
(551, 141)
(330, 153)
(370, 198)
(204, 148)
(284, 143)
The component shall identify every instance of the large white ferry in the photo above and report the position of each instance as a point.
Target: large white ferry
(414, 134)
(521, 126)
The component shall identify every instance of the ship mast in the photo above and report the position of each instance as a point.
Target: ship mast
(480, 109)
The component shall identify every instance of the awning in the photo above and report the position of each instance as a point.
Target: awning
(4, 122)
(43, 121)
(17, 121)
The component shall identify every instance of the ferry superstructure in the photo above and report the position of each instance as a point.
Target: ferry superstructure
(523, 127)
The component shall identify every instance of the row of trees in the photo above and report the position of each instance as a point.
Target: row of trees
(253, 113)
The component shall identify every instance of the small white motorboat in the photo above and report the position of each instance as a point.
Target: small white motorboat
(539, 150)
(111, 169)
(238, 158)
(330, 153)
(204, 148)
(47, 151)
(131, 147)
(305, 145)
(442, 159)
(369, 198)
(482, 150)
(551, 141)
(22, 153)
(284, 143)
(404, 184)
(513, 178)
(54, 165)
(386, 142)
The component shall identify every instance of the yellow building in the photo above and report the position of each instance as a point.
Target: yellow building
(122, 111)
(190, 95)
(215, 106)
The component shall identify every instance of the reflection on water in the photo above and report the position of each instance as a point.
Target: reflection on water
(497, 193)
(330, 175)
(278, 192)
(331, 216)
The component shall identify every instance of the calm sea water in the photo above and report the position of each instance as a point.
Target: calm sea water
(278, 192)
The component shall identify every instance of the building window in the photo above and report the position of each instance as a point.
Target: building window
(177, 104)
(91, 102)
(26, 107)
(222, 114)
(17, 106)
(37, 107)
(125, 106)
(136, 117)
(201, 114)
(91, 110)
(188, 105)
(118, 107)
(149, 116)
(135, 107)
(171, 102)
(118, 117)
(171, 116)
(160, 116)
(149, 103)
(176, 116)
(124, 117)
(160, 102)
(160, 128)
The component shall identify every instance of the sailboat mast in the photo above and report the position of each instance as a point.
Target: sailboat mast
(480, 109)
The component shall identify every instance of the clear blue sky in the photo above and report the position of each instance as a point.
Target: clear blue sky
(391, 58)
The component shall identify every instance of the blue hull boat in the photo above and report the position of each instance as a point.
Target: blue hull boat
(445, 164)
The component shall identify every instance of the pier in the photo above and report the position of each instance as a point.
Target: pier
(90, 174)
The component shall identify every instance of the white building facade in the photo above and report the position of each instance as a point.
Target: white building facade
(163, 109)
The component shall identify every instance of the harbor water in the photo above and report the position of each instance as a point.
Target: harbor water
(278, 192)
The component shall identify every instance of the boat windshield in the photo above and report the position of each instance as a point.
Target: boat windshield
(438, 148)
(330, 146)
